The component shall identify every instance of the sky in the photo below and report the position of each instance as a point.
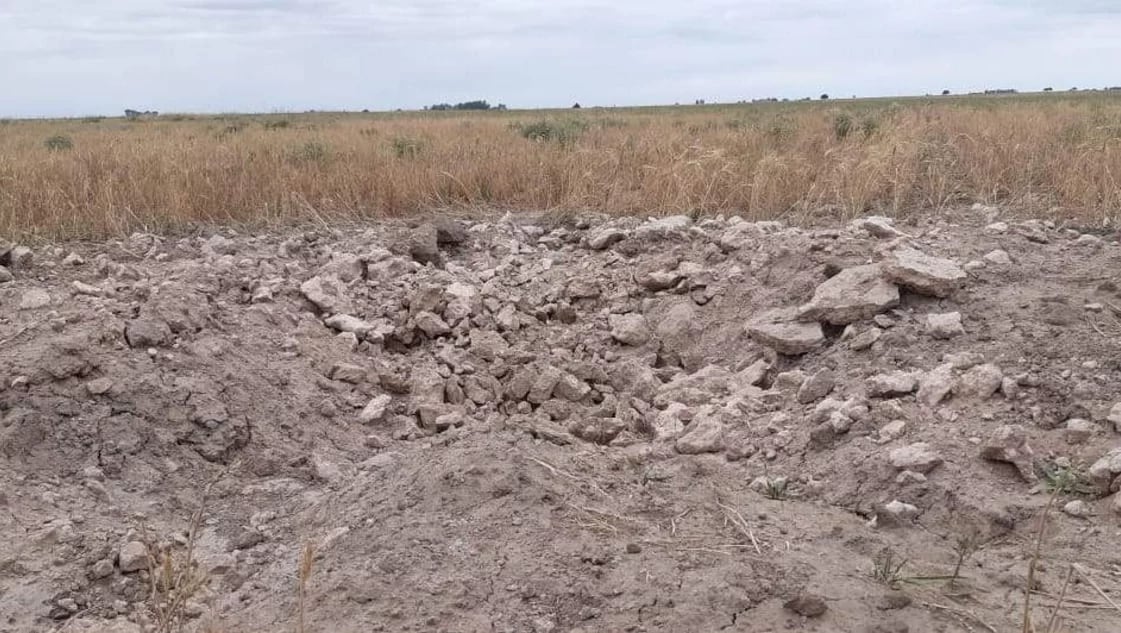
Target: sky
(87, 57)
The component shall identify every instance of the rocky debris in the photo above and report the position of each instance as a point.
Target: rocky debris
(853, 294)
(86, 289)
(865, 340)
(1077, 508)
(432, 325)
(348, 323)
(881, 227)
(663, 227)
(604, 238)
(1078, 431)
(133, 556)
(346, 372)
(375, 410)
(998, 258)
(936, 384)
(807, 605)
(979, 383)
(1009, 444)
(629, 329)
(780, 330)
(705, 434)
(892, 430)
(147, 332)
(34, 299)
(1105, 473)
(450, 232)
(892, 385)
(922, 273)
(944, 326)
(497, 373)
(73, 259)
(1114, 417)
(5, 275)
(99, 386)
(817, 386)
(895, 513)
(423, 244)
(919, 457)
(328, 294)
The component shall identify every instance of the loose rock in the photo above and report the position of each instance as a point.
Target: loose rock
(919, 457)
(1009, 444)
(922, 273)
(851, 295)
(944, 326)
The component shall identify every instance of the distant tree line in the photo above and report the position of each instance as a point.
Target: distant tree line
(466, 105)
(136, 114)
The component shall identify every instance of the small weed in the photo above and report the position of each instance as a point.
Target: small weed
(176, 578)
(405, 147)
(282, 124)
(310, 152)
(777, 488)
(1066, 480)
(59, 143)
(887, 567)
(965, 545)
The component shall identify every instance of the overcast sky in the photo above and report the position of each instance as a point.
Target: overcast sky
(78, 57)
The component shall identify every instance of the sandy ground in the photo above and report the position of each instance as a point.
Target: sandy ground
(566, 424)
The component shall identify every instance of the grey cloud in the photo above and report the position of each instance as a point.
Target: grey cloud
(73, 57)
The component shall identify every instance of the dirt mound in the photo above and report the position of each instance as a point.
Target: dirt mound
(588, 424)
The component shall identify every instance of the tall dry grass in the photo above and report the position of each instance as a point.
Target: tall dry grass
(87, 178)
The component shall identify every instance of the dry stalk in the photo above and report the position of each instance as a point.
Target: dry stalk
(303, 573)
(1028, 625)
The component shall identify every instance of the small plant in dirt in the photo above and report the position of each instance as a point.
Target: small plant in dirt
(59, 143)
(776, 488)
(1065, 479)
(405, 147)
(887, 567)
(966, 545)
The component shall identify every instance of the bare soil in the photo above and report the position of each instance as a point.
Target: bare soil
(497, 446)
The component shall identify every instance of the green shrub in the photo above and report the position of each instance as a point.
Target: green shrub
(869, 126)
(277, 125)
(405, 147)
(310, 152)
(842, 125)
(564, 132)
(59, 143)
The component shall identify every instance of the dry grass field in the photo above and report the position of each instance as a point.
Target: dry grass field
(1048, 155)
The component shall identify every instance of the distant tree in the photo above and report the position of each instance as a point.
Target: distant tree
(945, 92)
(576, 106)
(501, 106)
(1047, 89)
(824, 96)
(699, 102)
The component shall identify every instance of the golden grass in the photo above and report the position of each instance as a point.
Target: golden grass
(1045, 156)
